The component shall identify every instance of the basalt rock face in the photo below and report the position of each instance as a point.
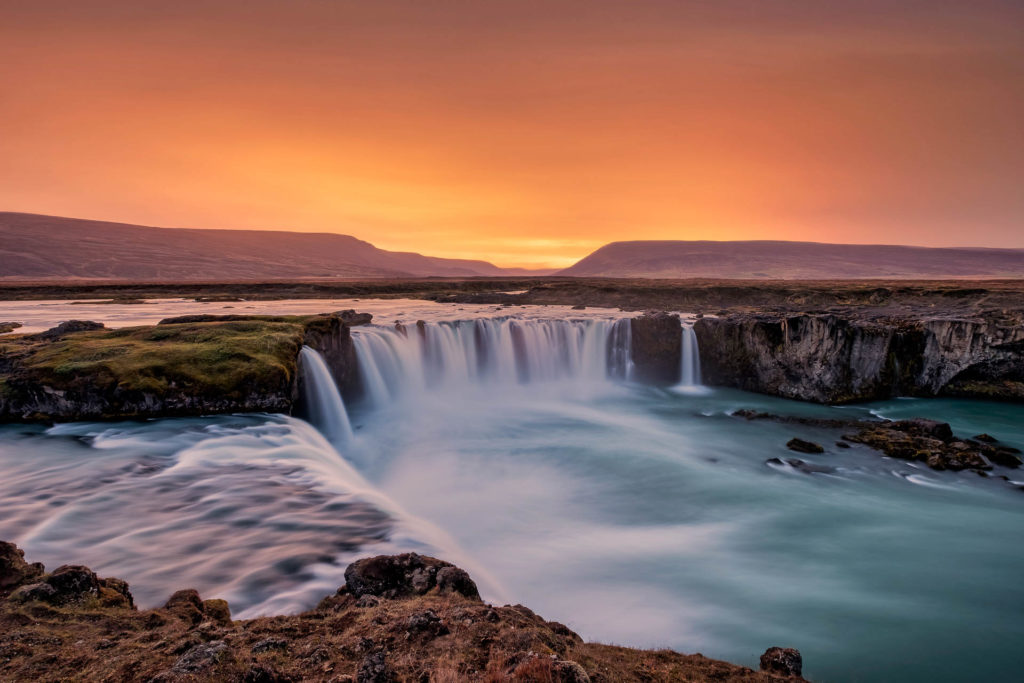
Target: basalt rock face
(656, 348)
(331, 336)
(832, 359)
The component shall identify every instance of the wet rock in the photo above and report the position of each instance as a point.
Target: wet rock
(842, 444)
(401, 329)
(985, 438)
(801, 466)
(408, 574)
(14, 570)
(186, 605)
(656, 340)
(782, 661)
(923, 427)
(426, 622)
(579, 307)
(374, 669)
(801, 446)
(217, 611)
(201, 657)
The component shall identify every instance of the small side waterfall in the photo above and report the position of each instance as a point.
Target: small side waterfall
(486, 351)
(323, 401)
(689, 366)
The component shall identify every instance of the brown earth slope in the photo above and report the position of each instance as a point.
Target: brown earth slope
(398, 618)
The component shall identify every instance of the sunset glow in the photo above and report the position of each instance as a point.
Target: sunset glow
(524, 133)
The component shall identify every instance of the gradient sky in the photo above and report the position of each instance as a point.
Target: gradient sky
(525, 133)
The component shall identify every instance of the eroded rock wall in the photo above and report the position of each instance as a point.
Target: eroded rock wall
(831, 359)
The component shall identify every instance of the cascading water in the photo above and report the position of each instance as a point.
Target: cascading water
(500, 351)
(323, 401)
(689, 370)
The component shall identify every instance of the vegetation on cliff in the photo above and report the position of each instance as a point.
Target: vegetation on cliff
(190, 365)
(398, 618)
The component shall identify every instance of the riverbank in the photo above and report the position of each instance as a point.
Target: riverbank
(397, 618)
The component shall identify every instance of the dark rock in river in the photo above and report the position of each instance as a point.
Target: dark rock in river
(782, 661)
(393, 576)
(801, 446)
(656, 347)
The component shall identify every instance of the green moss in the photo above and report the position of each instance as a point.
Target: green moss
(227, 358)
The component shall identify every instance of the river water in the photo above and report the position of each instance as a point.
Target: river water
(638, 516)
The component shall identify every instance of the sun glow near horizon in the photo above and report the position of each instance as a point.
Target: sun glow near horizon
(520, 133)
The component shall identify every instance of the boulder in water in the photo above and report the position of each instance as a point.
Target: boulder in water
(801, 446)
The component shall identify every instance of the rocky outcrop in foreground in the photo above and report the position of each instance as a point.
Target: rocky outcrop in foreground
(839, 359)
(398, 618)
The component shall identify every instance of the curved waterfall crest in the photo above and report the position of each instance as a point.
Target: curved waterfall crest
(323, 400)
(489, 351)
(689, 363)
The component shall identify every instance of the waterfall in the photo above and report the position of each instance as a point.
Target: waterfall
(689, 366)
(488, 351)
(323, 401)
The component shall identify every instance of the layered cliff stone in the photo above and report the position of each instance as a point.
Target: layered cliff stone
(832, 359)
(656, 345)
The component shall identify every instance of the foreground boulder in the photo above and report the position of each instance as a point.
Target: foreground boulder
(782, 660)
(392, 576)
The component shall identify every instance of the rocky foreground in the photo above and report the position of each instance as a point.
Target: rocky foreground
(397, 618)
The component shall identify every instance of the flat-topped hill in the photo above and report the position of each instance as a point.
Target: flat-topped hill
(794, 261)
(50, 247)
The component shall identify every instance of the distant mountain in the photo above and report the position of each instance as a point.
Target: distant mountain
(49, 247)
(794, 260)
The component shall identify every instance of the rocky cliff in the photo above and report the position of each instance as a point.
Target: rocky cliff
(193, 365)
(656, 345)
(833, 359)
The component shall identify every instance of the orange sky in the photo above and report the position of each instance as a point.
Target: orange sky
(525, 133)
